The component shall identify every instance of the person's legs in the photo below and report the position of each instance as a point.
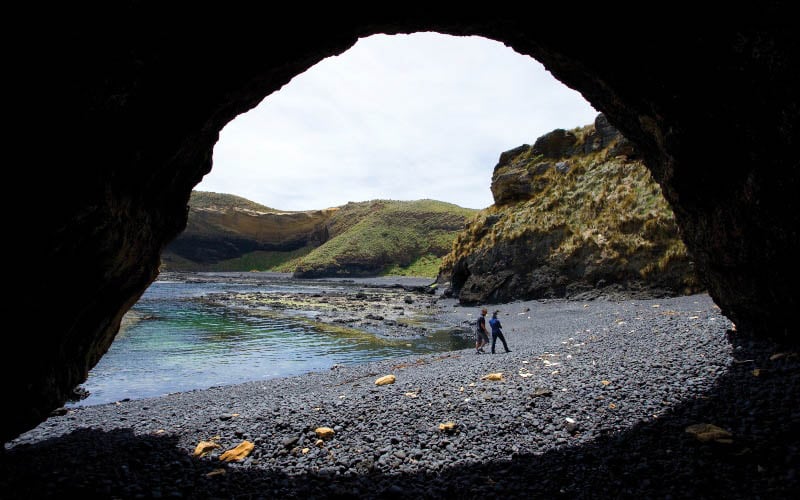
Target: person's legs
(503, 339)
(494, 340)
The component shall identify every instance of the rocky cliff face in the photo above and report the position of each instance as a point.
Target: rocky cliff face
(576, 214)
(223, 226)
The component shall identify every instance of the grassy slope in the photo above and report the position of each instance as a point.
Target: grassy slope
(394, 237)
(223, 201)
(610, 202)
(401, 237)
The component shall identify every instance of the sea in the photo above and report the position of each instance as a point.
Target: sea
(177, 342)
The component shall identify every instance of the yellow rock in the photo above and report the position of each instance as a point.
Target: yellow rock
(216, 472)
(305, 451)
(605, 382)
(493, 376)
(710, 432)
(319, 443)
(386, 379)
(448, 427)
(324, 432)
(203, 448)
(238, 453)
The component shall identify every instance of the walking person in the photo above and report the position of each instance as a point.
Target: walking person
(481, 333)
(497, 331)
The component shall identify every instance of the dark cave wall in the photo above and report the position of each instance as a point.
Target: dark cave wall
(118, 111)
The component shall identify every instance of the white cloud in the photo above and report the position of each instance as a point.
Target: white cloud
(402, 117)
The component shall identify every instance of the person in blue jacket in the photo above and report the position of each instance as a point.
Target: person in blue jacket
(497, 331)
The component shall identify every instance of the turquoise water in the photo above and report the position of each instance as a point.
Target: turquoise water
(184, 344)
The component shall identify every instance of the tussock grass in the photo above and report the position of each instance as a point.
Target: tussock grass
(608, 203)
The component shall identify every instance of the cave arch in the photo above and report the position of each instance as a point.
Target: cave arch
(118, 119)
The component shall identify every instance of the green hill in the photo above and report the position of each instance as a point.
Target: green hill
(230, 233)
(206, 200)
(386, 237)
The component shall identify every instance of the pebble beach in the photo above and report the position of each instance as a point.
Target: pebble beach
(657, 398)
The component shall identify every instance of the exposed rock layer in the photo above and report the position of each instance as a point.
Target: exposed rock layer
(219, 231)
(575, 215)
(116, 118)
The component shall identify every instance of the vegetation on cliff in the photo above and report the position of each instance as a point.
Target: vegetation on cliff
(383, 236)
(229, 233)
(206, 200)
(575, 213)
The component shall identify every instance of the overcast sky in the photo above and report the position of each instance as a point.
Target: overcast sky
(401, 117)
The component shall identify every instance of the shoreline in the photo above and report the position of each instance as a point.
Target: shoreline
(256, 276)
(390, 308)
(632, 375)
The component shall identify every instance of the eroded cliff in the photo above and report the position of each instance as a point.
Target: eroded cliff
(223, 230)
(576, 214)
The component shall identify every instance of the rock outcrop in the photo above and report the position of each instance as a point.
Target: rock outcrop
(573, 216)
(222, 227)
(115, 112)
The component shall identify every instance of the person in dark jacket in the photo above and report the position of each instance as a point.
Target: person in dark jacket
(497, 331)
(481, 333)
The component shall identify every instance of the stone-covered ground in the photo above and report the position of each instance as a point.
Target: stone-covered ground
(594, 402)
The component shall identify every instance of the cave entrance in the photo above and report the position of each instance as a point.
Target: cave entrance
(404, 117)
(418, 118)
